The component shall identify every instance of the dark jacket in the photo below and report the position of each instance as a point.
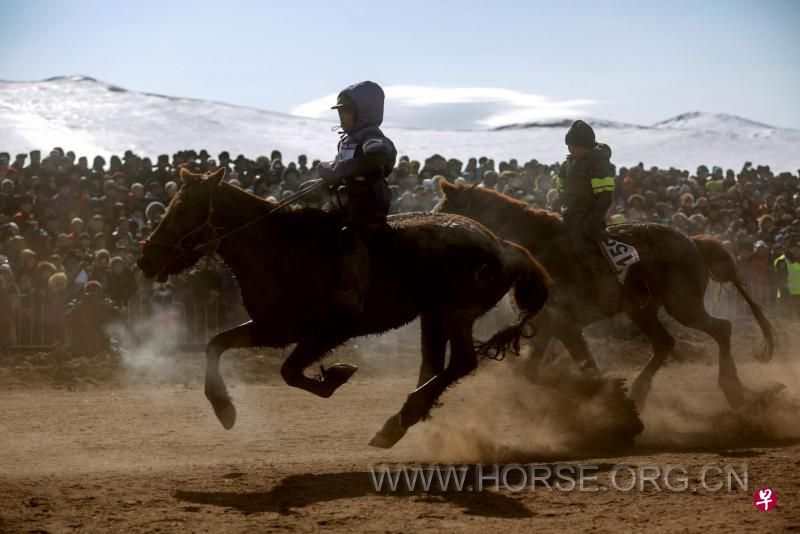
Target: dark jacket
(586, 187)
(120, 287)
(365, 158)
(86, 319)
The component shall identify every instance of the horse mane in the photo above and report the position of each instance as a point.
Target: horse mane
(543, 222)
(304, 219)
(267, 205)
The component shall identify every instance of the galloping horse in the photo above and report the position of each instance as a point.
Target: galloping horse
(674, 267)
(446, 269)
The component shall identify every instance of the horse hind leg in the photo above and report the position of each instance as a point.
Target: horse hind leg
(697, 317)
(663, 343)
(572, 338)
(434, 347)
(463, 361)
(420, 402)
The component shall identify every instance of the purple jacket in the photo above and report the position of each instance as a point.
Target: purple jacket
(364, 151)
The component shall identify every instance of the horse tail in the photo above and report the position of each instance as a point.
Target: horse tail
(532, 284)
(722, 268)
(531, 289)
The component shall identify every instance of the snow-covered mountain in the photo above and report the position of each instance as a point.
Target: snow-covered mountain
(566, 123)
(717, 122)
(92, 117)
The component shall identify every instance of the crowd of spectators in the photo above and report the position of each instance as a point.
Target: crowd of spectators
(65, 221)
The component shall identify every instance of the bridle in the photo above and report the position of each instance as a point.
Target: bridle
(181, 245)
(187, 250)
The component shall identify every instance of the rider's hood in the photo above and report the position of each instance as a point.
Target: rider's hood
(368, 98)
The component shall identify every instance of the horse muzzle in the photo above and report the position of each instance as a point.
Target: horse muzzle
(150, 271)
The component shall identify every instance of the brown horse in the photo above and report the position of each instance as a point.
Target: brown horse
(446, 269)
(674, 268)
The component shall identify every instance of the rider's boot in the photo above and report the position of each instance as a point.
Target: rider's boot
(606, 294)
(354, 274)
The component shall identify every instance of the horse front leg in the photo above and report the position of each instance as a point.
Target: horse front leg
(568, 329)
(244, 335)
(539, 344)
(307, 352)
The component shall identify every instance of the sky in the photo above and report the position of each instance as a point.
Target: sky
(445, 64)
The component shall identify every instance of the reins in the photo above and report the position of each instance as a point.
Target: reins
(219, 237)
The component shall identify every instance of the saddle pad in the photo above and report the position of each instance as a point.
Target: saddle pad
(620, 256)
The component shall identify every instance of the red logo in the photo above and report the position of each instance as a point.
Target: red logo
(765, 499)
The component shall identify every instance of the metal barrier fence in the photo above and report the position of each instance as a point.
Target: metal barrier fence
(722, 300)
(32, 323)
(37, 323)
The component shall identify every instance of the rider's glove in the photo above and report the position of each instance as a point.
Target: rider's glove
(325, 170)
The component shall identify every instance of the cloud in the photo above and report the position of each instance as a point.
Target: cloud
(417, 106)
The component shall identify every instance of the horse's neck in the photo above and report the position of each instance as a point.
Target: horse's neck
(233, 210)
(494, 217)
(526, 227)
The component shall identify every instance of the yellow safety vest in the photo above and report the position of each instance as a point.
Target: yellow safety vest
(714, 188)
(793, 268)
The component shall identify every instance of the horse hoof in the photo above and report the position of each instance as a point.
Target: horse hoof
(337, 374)
(227, 415)
(386, 440)
(391, 433)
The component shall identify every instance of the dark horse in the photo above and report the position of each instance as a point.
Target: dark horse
(675, 270)
(446, 269)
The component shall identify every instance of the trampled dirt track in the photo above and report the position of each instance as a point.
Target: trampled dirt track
(95, 446)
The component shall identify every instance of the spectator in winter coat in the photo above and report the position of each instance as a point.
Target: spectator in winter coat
(787, 276)
(87, 319)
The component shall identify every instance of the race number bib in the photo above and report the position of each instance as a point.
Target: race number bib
(620, 256)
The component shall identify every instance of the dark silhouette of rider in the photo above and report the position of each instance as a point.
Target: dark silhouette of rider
(366, 157)
(586, 188)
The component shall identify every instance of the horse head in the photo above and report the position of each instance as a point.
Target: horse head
(185, 233)
(455, 198)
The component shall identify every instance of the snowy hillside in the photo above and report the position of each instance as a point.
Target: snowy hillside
(92, 117)
(717, 122)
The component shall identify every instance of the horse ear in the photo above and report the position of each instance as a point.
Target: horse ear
(447, 187)
(186, 176)
(216, 177)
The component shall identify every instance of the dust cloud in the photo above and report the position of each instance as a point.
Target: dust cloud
(146, 347)
(509, 412)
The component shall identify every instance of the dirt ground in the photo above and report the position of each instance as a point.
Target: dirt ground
(132, 446)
